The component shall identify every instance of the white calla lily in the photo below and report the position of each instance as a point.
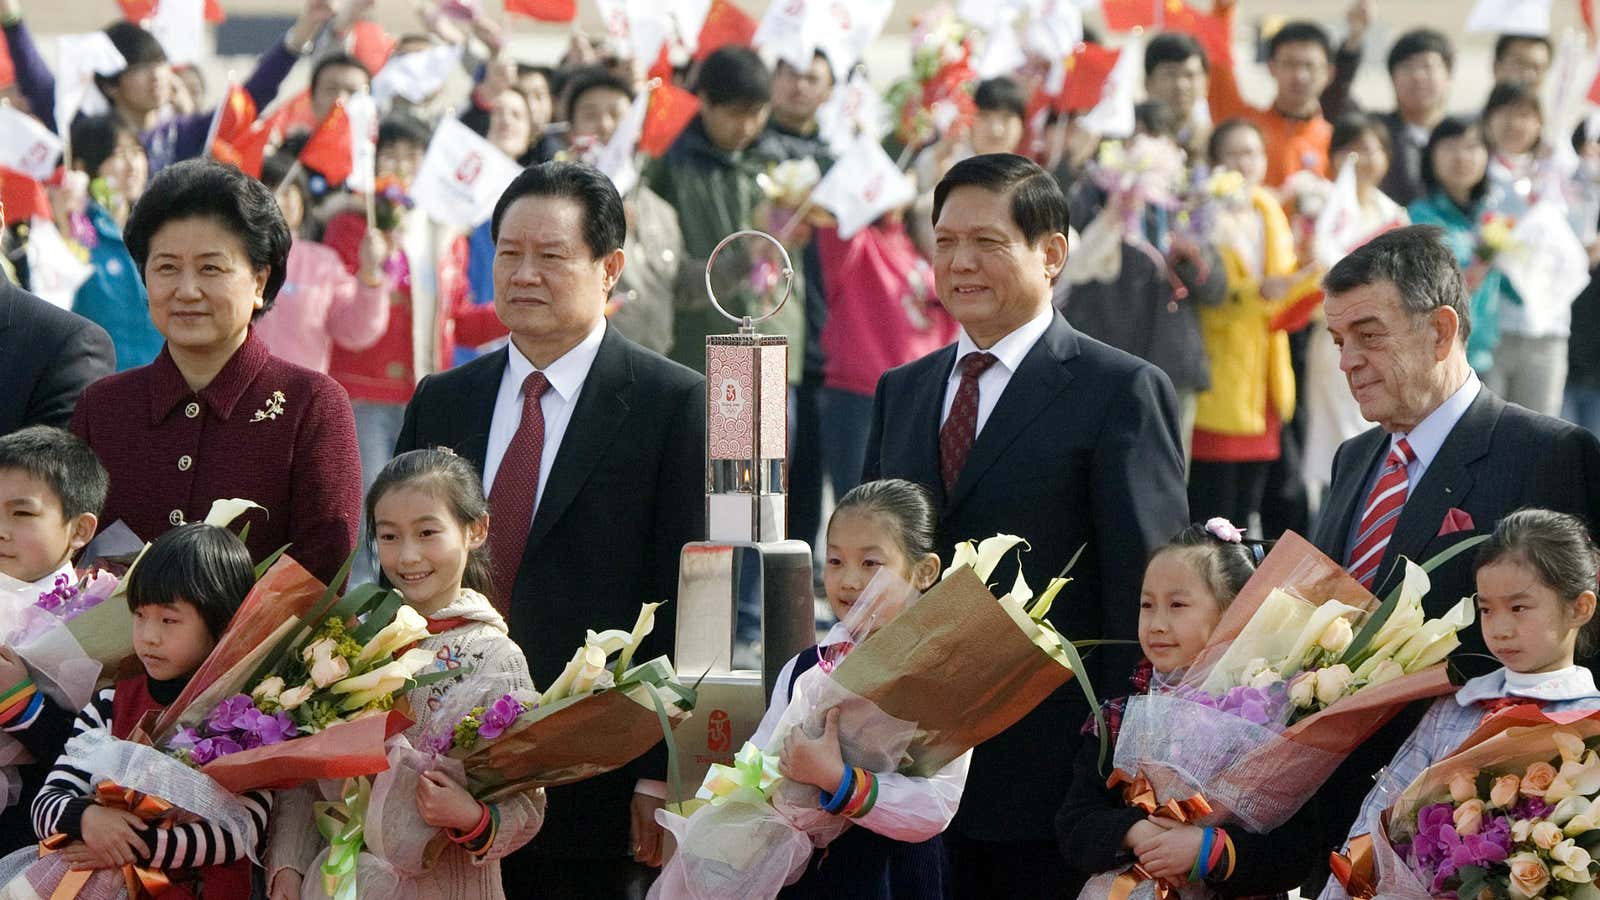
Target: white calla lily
(1305, 646)
(1569, 745)
(991, 550)
(1437, 637)
(965, 554)
(1020, 591)
(1568, 809)
(407, 627)
(223, 512)
(642, 627)
(612, 640)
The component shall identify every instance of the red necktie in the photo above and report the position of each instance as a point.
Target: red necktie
(511, 498)
(1380, 514)
(960, 428)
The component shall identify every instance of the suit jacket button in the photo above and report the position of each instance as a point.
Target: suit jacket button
(176, 517)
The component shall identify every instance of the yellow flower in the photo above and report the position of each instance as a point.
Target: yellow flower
(407, 627)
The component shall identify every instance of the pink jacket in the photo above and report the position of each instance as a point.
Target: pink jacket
(882, 311)
(321, 304)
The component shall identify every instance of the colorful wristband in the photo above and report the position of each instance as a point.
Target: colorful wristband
(27, 712)
(11, 707)
(1198, 873)
(1233, 856)
(477, 830)
(832, 803)
(480, 847)
(13, 691)
(871, 799)
(1219, 846)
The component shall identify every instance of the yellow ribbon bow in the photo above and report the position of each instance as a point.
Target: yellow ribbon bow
(139, 881)
(1138, 793)
(748, 780)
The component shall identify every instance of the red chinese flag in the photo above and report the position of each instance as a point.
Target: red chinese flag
(1087, 70)
(725, 25)
(22, 197)
(544, 10)
(247, 150)
(1126, 15)
(8, 72)
(661, 68)
(671, 110)
(327, 151)
(139, 10)
(292, 115)
(370, 44)
(236, 114)
(1211, 31)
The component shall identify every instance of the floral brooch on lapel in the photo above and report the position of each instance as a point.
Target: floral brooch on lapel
(272, 410)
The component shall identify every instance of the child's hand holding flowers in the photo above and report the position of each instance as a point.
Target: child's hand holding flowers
(110, 839)
(814, 760)
(1170, 853)
(443, 803)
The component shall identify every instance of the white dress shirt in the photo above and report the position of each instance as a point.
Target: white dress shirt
(566, 376)
(1426, 440)
(1009, 352)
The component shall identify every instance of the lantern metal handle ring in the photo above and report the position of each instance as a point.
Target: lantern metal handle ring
(747, 324)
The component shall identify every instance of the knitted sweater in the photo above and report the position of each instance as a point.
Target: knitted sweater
(480, 643)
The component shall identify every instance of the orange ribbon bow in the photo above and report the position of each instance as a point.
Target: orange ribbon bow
(1354, 868)
(140, 882)
(1137, 792)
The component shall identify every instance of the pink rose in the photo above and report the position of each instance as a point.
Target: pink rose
(1537, 779)
(1464, 786)
(1468, 817)
(1528, 875)
(1504, 792)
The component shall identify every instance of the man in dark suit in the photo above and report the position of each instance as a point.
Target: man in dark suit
(1447, 460)
(1027, 427)
(1419, 67)
(50, 355)
(593, 455)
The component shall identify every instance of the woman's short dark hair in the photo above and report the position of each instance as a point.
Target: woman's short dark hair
(1419, 41)
(1222, 132)
(1511, 93)
(1224, 566)
(1417, 262)
(205, 188)
(1038, 207)
(451, 479)
(203, 565)
(604, 227)
(1300, 32)
(734, 76)
(1353, 126)
(1172, 47)
(906, 507)
(1505, 42)
(137, 46)
(590, 78)
(94, 139)
(1450, 128)
(1001, 94)
(1560, 551)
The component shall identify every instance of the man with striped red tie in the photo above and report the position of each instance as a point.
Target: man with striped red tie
(1446, 461)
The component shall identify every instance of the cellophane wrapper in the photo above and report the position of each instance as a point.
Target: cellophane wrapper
(374, 878)
(58, 664)
(395, 832)
(1252, 774)
(741, 850)
(24, 875)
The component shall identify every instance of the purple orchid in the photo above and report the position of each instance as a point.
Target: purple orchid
(235, 713)
(499, 716)
(276, 728)
(185, 739)
(1532, 808)
(212, 748)
(439, 743)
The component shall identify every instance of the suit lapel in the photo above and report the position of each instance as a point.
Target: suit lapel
(602, 407)
(1036, 382)
(1446, 483)
(927, 405)
(475, 412)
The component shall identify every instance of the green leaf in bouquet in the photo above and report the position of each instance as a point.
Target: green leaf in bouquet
(271, 558)
(674, 780)
(380, 614)
(1082, 678)
(1040, 607)
(1589, 840)
(1374, 622)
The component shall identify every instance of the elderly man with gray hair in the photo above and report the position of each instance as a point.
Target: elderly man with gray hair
(1447, 460)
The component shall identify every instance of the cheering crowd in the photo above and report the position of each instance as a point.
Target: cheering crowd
(1061, 282)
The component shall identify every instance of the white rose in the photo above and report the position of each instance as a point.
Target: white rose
(1546, 835)
(1332, 682)
(1265, 679)
(1303, 690)
(293, 697)
(267, 690)
(1337, 636)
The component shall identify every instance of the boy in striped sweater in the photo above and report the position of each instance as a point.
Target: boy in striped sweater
(183, 594)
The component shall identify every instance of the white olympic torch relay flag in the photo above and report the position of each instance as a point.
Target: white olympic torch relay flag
(180, 27)
(54, 272)
(80, 57)
(1547, 265)
(415, 76)
(616, 158)
(461, 177)
(1523, 17)
(862, 185)
(26, 145)
(362, 113)
(852, 109)
(843, 29)
(1338, 227)
(1112, 117)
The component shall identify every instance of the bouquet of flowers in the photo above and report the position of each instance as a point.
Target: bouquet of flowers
(500, 739)
(1285, 688)
(934, 99)
(952, 670)
(1494, 236)
(1512, 813)
(391, 201)
(788, 184)
(1136, 174)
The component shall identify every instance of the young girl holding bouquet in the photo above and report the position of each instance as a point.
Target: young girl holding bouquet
(183, 592)
(1188, 584)
(430, 522)
(1536, 606)
(894, 851)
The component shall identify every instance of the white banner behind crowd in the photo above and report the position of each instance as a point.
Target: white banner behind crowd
(862, 185)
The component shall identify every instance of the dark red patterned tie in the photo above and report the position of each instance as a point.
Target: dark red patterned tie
(511, 498)
(960, 428)
(1380, 514)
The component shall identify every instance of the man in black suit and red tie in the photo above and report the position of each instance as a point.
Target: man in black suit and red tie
(1027, 427)
(50, 356)
(1446, 461)
(592, 450)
